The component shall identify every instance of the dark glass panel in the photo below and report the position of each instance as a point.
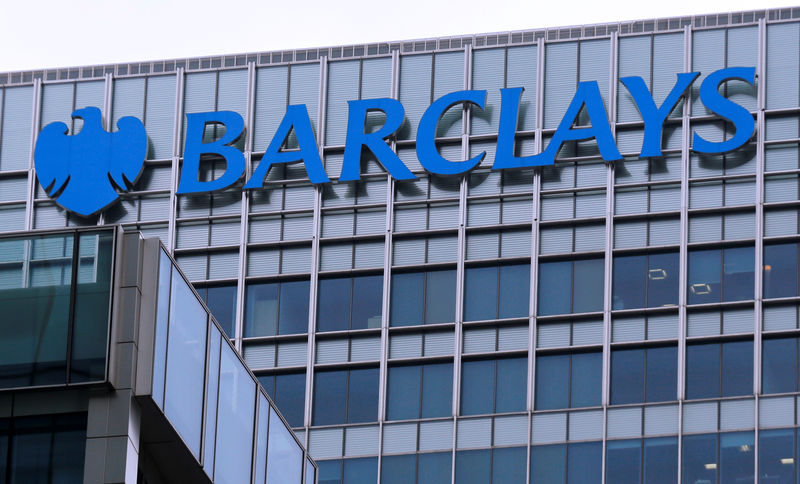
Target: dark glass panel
(261, 310)
(705, 271)
(512, 383)
(367, 302)
(737, 368)
(290, 397)
(434, 468)
(440, 297)
(552, 381)
(403, 393)
(587, 379)
(660, 460)
(662, 374)
(480, 293)
(549, 464)
(737, 456)
(662, 280)
(473, 467)
(627, 376)
(359, 471)
(437, 390)
(700, 459)
(780, 270)
(398, 469)
(702, 371)
(515, 291)
(293, 312)
(588, 286)
(738, 278)
(585, 463)
(630, 276)
(268, 382)
(362, 398)
(624, 461)
(407, 299)
(330, 398)
(555, 288)
(329, 472)
(221, 300)
(779, 365)
(333, 313)
(508, 465)
(776, 456)
(477, 387)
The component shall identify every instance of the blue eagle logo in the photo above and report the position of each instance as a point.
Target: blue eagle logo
(82, 171)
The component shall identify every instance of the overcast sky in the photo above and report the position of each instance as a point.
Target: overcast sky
(57, 33)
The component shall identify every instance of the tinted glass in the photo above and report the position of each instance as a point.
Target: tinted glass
(293, 310)
(404, 392)
(357, 471)
(508, 465)
(407, 299)
(235, 422)
(780, 270)
(43, 449)
(261, 312)
(738, 279)
(779, 365)
(662, 280)
(662, 374)
(367, 302)
(477, 387)
(737, 457)
(284, 455)
(584, 463)
(474, 467)
(555, 288)
(440, 297)
(480, 293)
(330, 399)
(776, 451)
(437, 390)
(330, 471)
(702, 370)
(398, 469)
(552, 381)
(627, 376)
(588, 286)
(333, 313)
(434, 468)
(549, 463)
(221, 300)
(290, 397)
(660, 460)
(624, 461)
(587, 377)
(512, 383)
(737, 368)
(362, 402)
(700, 459)
(630, 276)
(705, 272)
(515, 291)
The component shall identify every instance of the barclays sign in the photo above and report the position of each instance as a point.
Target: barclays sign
(80, 171)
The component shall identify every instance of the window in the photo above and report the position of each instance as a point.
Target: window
(288, 391)
(420, 391)
(492, 466)
(276, 308)
(221, 300)
(645, 281)
(721, 458)
(416, 468)
(717, 275)
(781, 270)
(348, 471)
(644, 375)
(423, 297)
(497, 292)
(568, 464)
(345, 396)
(569, 380)
(350, 303)
(493, 386)
(719, 369)
(647, 461)
(779, 365)
(777, 453)
(571, 286)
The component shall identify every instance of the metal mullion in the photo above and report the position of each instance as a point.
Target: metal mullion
(172, 226)
(36, 119)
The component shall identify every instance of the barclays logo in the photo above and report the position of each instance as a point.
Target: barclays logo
(81, 171)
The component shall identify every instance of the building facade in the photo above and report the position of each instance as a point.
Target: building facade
(588, 321)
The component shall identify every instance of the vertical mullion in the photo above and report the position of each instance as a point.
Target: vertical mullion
(180, 79)
(36, 115)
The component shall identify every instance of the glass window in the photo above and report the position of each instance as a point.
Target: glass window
(549, 463)
(496, 292)
(221, 300)
(719, 369)
(350, 303)
(276, 308)
(493, 386)
(644, 375)
(420, 391)
(584, 463)
(624, 461)
(431, 468)
(570, 286)
(348, 471)
(660, 460)
(777, 456)
(734, 463)
(284, 455)
(647, 461)
(288, 391)
(779, 365)
(568, 380)
(717, 275)
(645, 281)
(423, 298)
(491, 466)
(780, 270)
(345, 396)
(236, 412)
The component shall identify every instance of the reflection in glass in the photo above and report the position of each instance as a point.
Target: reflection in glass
(700, 459)
(162, 321)
(737, 457)
(645, 281)
(276, 308)
(423, 298)
(780, 270)
(221, 301)
(288, 391)
(285, 457)
(350, 303)
(570, 286)
(234, 420)
(496, 292)
(721, 275)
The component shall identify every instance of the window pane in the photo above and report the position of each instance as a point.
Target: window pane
(290, 397)
(549, 463)
(508, 465)
(700, 459)
(261, 313)
(333, 313)
(587, 376)
(330, 471)
(473, 467)
(780, 270)
(367, 302)
(738, 279)
(398, 469)
(403, 393)
(623, 461)
(511, 385)
(440, 297)
(480, 293)
(268, 382)
(437, 390)
(702, 371)
(588, 287)
(662, 280)
(555, 287)
(627, 376)
(330, 397)
(552, 382)
(705, 270)
(584, 463)
(362, 402)
(235, 425)
(221, 300)
(434, 468)
(358, 471)
(737, 368)
(779, 368)
(660, 460)
(630, 275)
(407, 299)
(776, 452)
(662, 374)
(737, 455)
(477, 385)
(293, 317)
(515, 291)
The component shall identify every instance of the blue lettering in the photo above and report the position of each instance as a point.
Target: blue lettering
(742, 120)
(506, 134)
(194, 148)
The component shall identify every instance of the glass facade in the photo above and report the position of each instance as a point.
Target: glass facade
(634, 321)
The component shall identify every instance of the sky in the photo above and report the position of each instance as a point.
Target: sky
(57, 33)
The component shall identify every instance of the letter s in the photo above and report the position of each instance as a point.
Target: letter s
(742, 120)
